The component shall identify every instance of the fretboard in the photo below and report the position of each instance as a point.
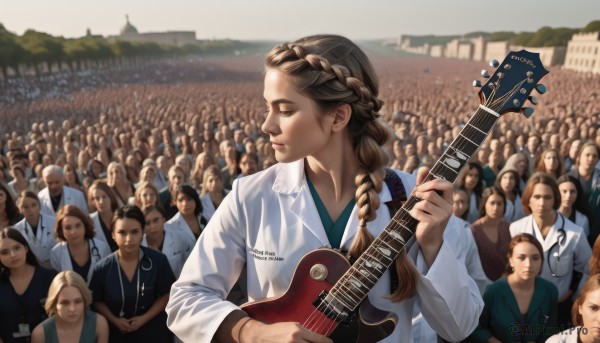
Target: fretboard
(352, 288)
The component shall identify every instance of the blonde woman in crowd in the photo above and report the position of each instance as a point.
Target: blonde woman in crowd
(70, 318)
(118, 183)
(203, 161)
(146, 195)
(213, 191)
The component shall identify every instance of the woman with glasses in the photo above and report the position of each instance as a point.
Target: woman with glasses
(565, 245)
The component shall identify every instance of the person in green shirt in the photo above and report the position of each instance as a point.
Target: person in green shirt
(520, 307)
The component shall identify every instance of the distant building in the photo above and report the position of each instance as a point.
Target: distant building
(583, 53)
(129, 33)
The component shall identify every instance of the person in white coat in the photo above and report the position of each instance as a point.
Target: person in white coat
(565, 245)
(189, 220)
(330, 146)
(36, 227)
(77, 249)
(104, 203)
(585, 316)
(56, 194)
(173, 243)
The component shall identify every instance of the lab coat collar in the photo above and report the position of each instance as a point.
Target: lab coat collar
(291, 179)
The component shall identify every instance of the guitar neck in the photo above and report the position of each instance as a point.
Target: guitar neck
(352, 288)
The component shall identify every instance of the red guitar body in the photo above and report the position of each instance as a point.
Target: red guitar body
(296, 304)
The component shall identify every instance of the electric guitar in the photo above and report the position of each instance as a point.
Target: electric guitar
(327, 295)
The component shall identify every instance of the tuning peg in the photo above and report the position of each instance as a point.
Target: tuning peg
(485, 73)
(476, 83)
(533, 99)
(528, 111)
(540, 88)
(494, 63)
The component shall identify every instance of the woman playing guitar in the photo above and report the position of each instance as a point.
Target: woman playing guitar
(327, 191)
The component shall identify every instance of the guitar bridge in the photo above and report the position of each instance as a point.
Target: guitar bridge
(333, 309)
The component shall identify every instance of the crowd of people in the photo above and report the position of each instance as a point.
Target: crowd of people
(109, 177)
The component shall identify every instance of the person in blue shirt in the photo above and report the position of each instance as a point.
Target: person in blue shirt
(131, 285)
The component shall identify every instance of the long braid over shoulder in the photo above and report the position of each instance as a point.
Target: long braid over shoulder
(332, 70)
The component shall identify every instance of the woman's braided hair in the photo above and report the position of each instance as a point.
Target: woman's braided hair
(332, 70)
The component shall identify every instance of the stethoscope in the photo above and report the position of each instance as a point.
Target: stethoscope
(146, 268)
(95, 252)
(560, 240)
(28, 227)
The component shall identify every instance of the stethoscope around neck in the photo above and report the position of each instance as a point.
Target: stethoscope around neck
(554, 250)
(141, 266)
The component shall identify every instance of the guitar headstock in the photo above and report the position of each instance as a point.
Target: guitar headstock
(512, 82)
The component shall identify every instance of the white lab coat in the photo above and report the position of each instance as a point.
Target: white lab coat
(179, 224)
(176, 247)
(44, 239)
(459, 236)
(98, 228)
(61, 261)
(272, 213)
(582, 221)
(575, 253)
(71, 196)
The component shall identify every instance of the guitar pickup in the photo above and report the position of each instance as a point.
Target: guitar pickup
(333, 309)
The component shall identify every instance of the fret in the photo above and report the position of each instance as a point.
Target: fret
(357, 272)
(476, 128)
(437, 176)
(452, 169)
(463, 144)
(393, 249)
(484, 120)
(467, 138)
(475, 135)
(350, 290)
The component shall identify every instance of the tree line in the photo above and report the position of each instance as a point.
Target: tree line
(41, 52)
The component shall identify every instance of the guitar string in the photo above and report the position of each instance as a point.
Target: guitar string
(461, 144)
(318, 316)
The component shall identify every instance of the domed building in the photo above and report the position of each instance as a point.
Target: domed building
(128, 29)
(129, 33)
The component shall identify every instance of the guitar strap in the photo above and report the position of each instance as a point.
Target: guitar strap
(394, 184)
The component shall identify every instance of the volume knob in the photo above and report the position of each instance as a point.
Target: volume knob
(318, 272)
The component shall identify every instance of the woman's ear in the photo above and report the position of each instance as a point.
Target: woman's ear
(341, 117)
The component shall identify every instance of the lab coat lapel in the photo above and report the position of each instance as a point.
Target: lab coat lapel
(290, 180)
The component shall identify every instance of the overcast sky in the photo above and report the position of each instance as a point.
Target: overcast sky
(286, 19)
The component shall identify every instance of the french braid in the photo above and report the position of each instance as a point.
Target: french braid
(332, 70)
